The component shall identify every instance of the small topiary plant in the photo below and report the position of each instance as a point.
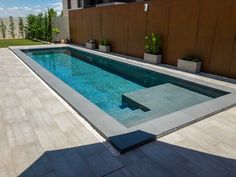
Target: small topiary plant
(104, 42)
(91, 41)
(56, 32)
(191, 58)
(152, 44)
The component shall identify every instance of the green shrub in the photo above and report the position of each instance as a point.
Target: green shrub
(12, 27)
(104, 42)
(3, 29)
(40, 26)
(191, 58)
(56, 31)
(91, 41)
(21, 27)
(152, 44)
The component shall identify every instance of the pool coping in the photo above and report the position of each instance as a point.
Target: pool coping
(121, 137)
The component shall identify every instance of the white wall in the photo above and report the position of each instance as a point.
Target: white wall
(74, 5)
(7, 22)
(61, 22)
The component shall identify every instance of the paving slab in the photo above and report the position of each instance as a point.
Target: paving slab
(29, 135)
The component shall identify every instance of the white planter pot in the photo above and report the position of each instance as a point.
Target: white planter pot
(189, 66)
(153, 59)
(104, 48)
(90, 45)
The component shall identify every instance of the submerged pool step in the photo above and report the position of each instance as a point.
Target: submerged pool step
(124, 114)
(166, 96)
(120, 112)
(137, 119)
(131, 114)
(159, 101)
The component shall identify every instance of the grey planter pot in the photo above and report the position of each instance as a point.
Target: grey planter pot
(153, 59)
(189, 66)
(103, 48)
(90, 45)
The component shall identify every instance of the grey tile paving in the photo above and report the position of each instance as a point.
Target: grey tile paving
(40, 137)
(121, 172)
(118, 134)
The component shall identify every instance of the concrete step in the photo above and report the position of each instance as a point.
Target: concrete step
(120, 112)
(163, 98)
(137, 112)
(125, 114)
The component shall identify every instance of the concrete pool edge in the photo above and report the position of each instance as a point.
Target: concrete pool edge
(123, 138)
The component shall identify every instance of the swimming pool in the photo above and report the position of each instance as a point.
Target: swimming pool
(133, 97)
(104, 81)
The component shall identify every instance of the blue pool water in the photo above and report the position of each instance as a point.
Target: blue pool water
(103, 81)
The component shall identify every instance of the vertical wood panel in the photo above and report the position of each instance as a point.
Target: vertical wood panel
(108, 23)
(96, 23)
(157, 21)
(183, 22)
(76, 32)
(120, 40)
(233, 63)
(232, 66)
(209, 14)
(137, 26)
(87, 28)
(72, 28)
(224, 41)
(196, 27)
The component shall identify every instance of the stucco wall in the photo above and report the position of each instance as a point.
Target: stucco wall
(16, 32)
(61, 22)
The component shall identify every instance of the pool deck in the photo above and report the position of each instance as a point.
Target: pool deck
(40, 136)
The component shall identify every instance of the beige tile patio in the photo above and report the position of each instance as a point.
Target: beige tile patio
(39, 136)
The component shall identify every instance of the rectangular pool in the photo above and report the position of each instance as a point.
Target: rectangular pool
(132, 96)
(104, 81)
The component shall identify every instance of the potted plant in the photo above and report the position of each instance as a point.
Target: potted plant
(152, 49)
(91, 44)
(56, 32)
(104, 46)
(189, 64)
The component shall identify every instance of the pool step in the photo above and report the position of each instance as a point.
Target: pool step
(124, 114)
(158, 101)
(163, 98)
(120, 112)
(131, 114)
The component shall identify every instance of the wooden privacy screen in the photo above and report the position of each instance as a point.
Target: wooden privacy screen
(202, 28)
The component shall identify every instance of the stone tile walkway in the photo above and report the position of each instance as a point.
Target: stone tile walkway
(41, 137)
